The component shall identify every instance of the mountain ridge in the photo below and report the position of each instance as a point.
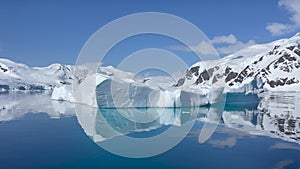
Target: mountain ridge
(18, 76)
(270, 66)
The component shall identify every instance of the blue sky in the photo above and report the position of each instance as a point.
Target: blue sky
(39, 33)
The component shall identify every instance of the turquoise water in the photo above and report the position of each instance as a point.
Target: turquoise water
(45, 134)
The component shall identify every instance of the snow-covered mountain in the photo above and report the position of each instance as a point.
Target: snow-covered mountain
(266, 67)
(16, 76)
(274, 66)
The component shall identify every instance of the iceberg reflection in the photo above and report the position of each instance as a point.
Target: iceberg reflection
(103, 124)
(277, 115)
(115, 133)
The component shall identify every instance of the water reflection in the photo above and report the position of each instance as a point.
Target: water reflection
(111, 130)
(277, 115)
(104, 124)
(17, 104)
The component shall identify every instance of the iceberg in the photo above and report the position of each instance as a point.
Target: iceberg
(62, 93)
(104, 91)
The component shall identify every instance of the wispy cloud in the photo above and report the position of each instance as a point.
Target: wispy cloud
(235, 47)
(293, 8)
(279, 28)
(230, 39)
(225, 44)
(203, 48)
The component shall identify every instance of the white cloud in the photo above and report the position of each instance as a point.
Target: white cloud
(230, 39)
(203, 48)
(224, 45)
(293, 8)
(279, 28)
(235, 47)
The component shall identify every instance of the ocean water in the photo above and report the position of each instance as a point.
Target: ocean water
(36, 132)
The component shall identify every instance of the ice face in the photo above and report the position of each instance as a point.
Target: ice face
(105, 92)
(62, 93)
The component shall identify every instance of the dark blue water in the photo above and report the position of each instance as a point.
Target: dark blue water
(38, 140)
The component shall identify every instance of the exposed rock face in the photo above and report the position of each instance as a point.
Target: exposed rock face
(275, 65)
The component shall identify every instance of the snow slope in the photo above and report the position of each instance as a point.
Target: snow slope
(16, 76)
(274, 66)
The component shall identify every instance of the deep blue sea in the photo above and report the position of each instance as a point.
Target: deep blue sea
(36, 132)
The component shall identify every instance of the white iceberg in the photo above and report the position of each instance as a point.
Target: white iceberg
(104, 91)
(62, 93)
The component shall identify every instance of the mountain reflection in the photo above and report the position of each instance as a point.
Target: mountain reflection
(277, 115)
(15, 105)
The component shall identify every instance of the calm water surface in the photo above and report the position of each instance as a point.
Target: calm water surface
(36, 132)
